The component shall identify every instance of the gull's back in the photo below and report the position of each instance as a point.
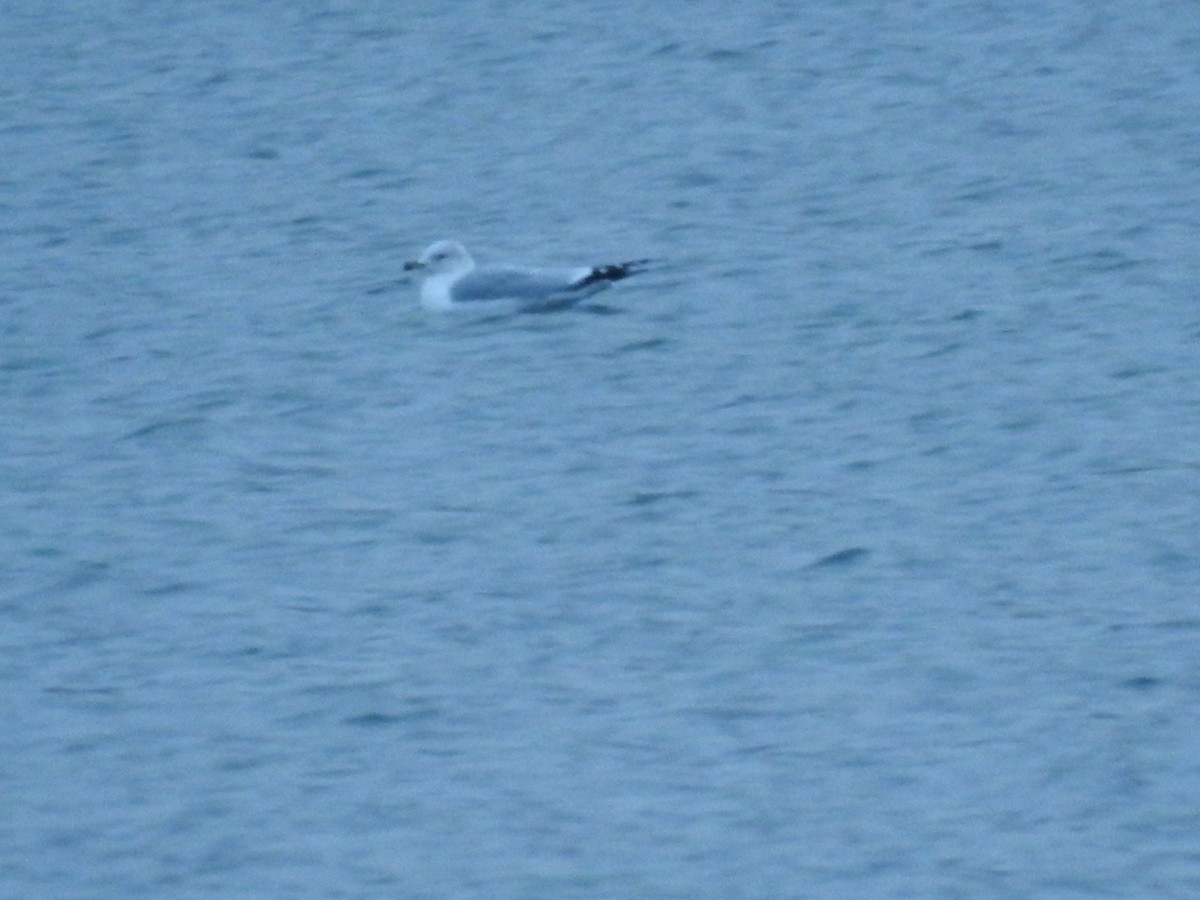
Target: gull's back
(525, 285)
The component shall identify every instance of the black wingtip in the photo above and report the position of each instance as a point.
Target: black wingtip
(614, 272)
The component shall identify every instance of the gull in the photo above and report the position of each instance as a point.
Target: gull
(453, 281)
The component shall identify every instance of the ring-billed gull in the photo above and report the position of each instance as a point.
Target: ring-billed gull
(452, 281)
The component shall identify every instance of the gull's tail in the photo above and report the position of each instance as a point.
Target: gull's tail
(611, 273)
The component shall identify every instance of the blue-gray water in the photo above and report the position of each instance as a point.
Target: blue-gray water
(855, 556)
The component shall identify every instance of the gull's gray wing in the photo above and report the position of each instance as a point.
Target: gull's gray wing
(520, 284)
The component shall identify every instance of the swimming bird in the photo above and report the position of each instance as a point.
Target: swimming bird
(453, 281)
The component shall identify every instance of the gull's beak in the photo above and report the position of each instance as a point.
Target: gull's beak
(413, 264)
